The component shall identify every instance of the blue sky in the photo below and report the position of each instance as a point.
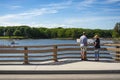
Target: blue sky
(92, 14)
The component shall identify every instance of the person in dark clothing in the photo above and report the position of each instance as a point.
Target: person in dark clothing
(97, 47)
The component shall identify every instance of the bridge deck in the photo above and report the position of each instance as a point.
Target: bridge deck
(63, 67)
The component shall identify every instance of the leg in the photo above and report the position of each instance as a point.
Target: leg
(97, 54)
(82, 55)
(85, 54)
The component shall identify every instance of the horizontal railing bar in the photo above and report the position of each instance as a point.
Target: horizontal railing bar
(26, 46)
(51, 50)
(69, 54)
(63, 57)
(114, 49)
(117, 54)
(40, 60)
(44, 56)
(72, 49)
(42, 46)
(11, 60)
(40, 56)
(117, 59)
(11, 56)
(28, 56)
(65, 49)
(80, 53)
(112, 44)
(40, 51)
(29, 51)
(68, 57)
(11, 51)
(48, 55)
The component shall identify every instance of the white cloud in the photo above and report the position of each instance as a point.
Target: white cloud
(15, 7)
(48, 9)
(25, 17)
(91, 19)
(94, 22)
(85, 4)
(60, 5)
(53, 25)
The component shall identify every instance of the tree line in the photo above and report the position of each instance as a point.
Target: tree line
(116, 31)
(48, 33)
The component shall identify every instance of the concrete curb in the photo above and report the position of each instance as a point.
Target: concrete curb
(60, 72)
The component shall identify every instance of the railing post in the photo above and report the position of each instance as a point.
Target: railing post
(26, 56)
(55, 54)
(117, 54)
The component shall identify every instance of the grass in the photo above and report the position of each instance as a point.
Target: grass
(13, 37)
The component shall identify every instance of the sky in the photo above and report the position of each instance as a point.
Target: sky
(89, 14)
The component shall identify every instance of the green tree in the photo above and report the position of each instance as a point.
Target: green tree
(17, 33)
(60, 32)
(116, 31)
(9, 31)
(53, 33)
(2, 31)
(68, 33)
(35, 33)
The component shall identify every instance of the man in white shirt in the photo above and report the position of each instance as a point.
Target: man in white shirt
(83, 46)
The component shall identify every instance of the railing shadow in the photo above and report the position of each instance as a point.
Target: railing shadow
(63, 62)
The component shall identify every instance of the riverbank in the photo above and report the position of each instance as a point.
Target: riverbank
(12, 37)
(20, 37)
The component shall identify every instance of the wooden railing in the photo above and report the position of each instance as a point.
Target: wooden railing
(116, 49)
(28, 54)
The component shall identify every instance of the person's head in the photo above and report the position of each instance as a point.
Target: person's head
(84, 33)
(96, 36)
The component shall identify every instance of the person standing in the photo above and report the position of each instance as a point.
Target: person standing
(83, 46)
(97, 47)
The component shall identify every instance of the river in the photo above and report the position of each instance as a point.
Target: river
(38, 42)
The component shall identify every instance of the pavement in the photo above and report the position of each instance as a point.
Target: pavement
(59, 76)
(63, 67)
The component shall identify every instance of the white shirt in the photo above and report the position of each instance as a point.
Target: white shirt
(83, 40)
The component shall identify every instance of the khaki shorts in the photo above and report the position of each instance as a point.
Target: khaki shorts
(83, 48)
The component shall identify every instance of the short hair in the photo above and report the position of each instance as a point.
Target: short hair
(84, 33)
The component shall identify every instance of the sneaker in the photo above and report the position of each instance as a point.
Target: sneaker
(82, 59)
(85, 59)
(97, 60)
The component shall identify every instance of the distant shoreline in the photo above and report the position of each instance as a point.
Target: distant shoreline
(19, 37)
(15, 37)
(12, 37)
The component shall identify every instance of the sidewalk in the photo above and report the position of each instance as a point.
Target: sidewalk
(59, 67)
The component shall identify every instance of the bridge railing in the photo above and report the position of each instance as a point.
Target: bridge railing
(116, 49)
(28, 54)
